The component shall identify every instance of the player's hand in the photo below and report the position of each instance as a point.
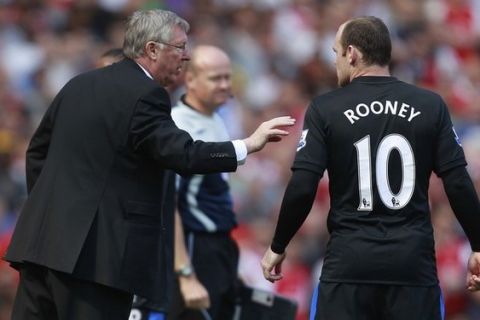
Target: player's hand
(194, 293)
(473, 272)
(272, 265)
(268, 131)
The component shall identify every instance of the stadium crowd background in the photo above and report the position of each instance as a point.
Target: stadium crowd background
(282, 56)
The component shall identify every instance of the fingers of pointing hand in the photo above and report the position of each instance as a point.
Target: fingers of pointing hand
(280, 122)
(278, 132)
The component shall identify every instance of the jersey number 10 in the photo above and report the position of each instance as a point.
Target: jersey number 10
(386, 146)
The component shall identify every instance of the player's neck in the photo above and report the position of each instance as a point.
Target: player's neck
(372, 71)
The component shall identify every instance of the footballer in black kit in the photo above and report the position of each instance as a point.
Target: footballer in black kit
(379, 158)
(380, 139)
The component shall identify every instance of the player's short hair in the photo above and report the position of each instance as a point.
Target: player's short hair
(150, 25)
(371, 36)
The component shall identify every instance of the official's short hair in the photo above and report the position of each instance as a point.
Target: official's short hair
(150, 25)
(371, 36)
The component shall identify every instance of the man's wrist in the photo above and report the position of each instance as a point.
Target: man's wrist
(276, 248)
(184, 271)
(241, 151)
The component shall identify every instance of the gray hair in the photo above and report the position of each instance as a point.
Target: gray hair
(149, 25)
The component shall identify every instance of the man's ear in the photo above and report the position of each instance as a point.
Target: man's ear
(151, 50)
(353, 55)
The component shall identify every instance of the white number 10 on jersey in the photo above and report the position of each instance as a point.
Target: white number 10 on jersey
(389, 199)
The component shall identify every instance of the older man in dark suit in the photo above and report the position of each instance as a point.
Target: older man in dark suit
(93, 229)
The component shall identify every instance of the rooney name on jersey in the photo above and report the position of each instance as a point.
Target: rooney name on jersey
(362, 110)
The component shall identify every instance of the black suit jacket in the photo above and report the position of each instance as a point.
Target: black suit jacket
(99, 205)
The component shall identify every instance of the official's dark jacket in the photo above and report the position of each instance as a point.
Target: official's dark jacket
(96, 175)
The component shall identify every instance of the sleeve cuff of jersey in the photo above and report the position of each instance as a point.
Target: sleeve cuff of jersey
(240, 151)
(276, 248)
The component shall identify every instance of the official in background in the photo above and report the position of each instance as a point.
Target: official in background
(380, 140)
(206, 257)
(93, 229)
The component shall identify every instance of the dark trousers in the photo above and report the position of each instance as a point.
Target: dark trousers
(45, 294)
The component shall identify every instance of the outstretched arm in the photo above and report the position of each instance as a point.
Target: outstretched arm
(154, 133)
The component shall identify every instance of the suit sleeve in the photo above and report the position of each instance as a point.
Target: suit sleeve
(154, 133)
(38, 147)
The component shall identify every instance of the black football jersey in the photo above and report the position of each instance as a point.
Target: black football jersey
(379, 139)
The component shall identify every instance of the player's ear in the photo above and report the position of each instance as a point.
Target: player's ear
(353, 55)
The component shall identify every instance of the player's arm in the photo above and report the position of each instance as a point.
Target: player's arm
(296, 205)
(466, 206)
(193, 292)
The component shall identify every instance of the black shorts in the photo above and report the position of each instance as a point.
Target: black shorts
(347, 301)
(215, 260)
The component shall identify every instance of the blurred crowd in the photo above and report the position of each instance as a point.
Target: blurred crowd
(282, 56)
